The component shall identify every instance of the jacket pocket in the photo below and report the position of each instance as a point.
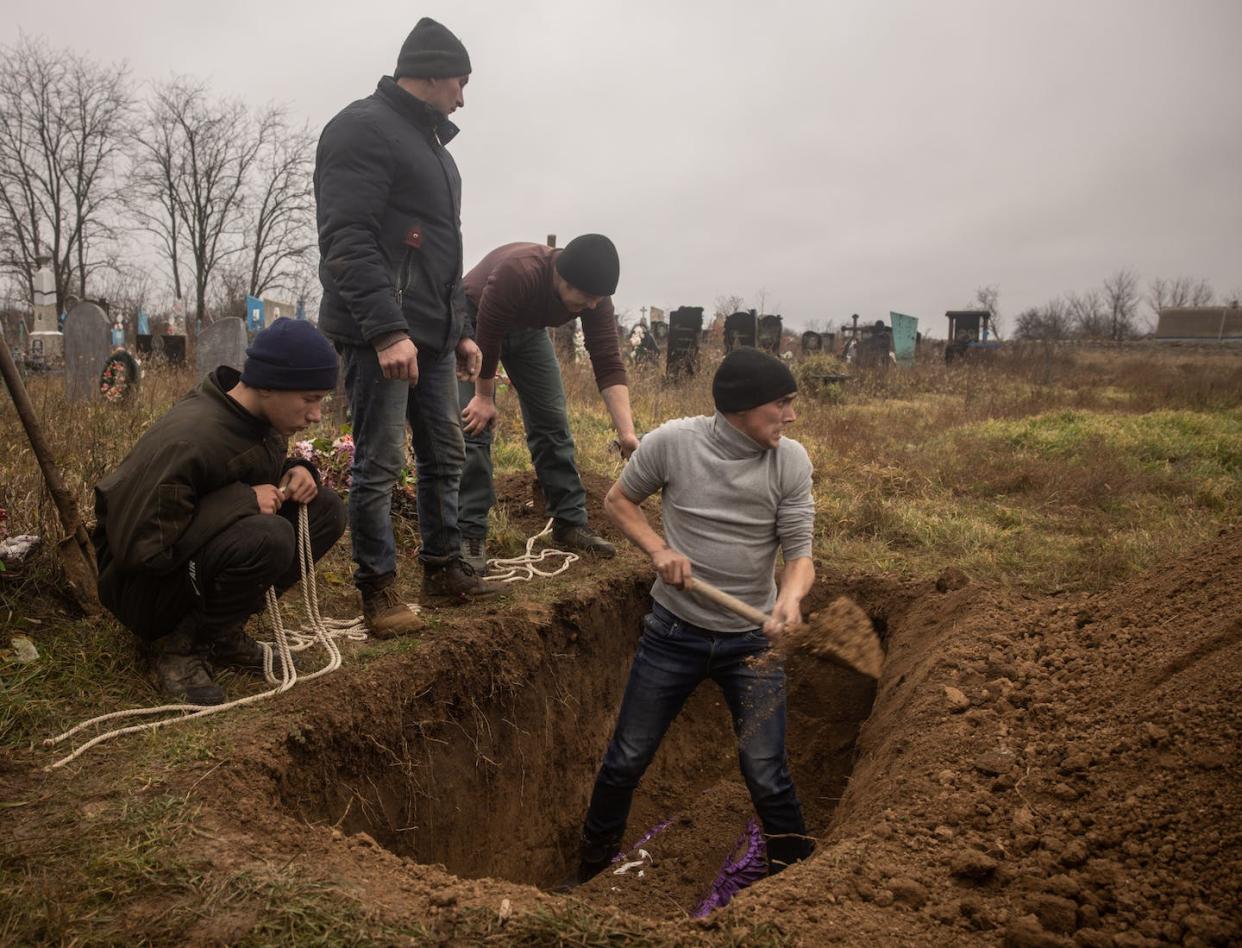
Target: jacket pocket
(412, 241)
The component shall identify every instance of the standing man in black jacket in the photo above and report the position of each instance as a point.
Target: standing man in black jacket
(388, 198)
(198, 520)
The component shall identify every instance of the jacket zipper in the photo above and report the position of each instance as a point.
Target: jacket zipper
(448, 181)
(403, 279)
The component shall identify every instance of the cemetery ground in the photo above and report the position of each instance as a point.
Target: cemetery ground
(1050, 548)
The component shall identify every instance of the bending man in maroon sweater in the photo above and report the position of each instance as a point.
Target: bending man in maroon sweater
(513, 295)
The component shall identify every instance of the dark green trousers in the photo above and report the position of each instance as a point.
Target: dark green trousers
(530, 362)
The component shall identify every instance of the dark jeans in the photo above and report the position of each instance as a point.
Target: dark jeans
(381, 408)
(226, 581)
(530, 361)
(673, 658)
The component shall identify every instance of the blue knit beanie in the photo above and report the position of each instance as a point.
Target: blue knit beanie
(291, 355)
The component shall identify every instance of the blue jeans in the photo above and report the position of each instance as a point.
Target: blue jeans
(673, 657)
(381, 408)
(530, 361)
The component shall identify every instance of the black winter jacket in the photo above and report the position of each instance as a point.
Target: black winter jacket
(388, 207)
(187, 479)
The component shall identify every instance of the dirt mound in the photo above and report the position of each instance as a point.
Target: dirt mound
(1053, 769)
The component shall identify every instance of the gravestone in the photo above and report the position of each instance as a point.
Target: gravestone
(660, 331)
(770, 334)
(171, 347)
(739, 330)
(222, 343)
(88, 343)
(905, 330)
(812, 343)
(684, 326)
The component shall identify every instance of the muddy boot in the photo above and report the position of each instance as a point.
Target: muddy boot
(784, 851)
(177, 669)
(594, 856)
(474, 552)
(233, 648)
(456, 582)
(581, 539)
(386, 615)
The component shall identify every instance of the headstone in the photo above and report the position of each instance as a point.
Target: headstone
(144, 324)
(172, 348)
(684, 327)
(812, 343)
(222, 343)
(88, 343)
(45, 318)
(770, 334)
(740, 330)
(905, 334)
(660, 331)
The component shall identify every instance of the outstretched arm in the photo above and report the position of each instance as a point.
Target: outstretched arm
(617, 400)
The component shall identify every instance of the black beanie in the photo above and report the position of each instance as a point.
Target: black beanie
(290, 355)
(590, 263)
(431, 51)
(748, 378)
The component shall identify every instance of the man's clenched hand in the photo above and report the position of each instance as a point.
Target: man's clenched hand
(400, 361)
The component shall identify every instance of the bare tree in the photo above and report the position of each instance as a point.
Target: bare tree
(988, 298)
(728, 305)
(282, 211)
(1087, 314)
(1178, 293)
(195, 173)
(63, 122)
(1121, 302)
(1051, 321)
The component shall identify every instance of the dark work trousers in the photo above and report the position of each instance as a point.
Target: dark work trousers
(225, 582)
(530, 360)
(673, 658)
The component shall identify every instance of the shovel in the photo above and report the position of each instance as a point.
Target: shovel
(77, 556)
(842, 633)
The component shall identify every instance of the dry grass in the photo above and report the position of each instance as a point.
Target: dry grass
(1044, 466)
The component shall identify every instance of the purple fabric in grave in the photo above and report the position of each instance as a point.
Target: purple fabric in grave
(644, 839)
(734, 876)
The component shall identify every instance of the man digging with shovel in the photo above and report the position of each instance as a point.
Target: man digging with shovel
(734, 491)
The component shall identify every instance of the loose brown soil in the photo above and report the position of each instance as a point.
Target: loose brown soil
(1028, 770)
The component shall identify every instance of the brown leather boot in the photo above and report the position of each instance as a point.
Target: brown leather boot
(177, 669)
(384, 612)
(456, 582)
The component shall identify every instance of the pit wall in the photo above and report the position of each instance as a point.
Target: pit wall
(478, 750)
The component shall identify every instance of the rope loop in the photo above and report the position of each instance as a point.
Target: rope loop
(323, 632)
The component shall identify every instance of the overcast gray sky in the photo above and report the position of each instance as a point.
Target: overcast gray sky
(859, 156)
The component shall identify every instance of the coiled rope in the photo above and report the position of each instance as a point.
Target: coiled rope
(524, 568)
(324, 632)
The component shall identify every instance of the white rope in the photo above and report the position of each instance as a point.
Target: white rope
(526, 567)
(324, 632)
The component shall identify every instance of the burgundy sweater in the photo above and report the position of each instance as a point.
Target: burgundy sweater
(512, 287)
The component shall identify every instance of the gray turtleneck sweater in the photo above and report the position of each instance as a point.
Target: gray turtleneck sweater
(728, 505)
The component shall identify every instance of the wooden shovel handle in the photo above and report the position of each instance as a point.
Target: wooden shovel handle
(724, 600)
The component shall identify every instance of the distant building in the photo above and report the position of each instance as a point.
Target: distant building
(1201, 324)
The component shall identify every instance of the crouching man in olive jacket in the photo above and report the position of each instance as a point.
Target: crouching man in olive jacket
(200, 518)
